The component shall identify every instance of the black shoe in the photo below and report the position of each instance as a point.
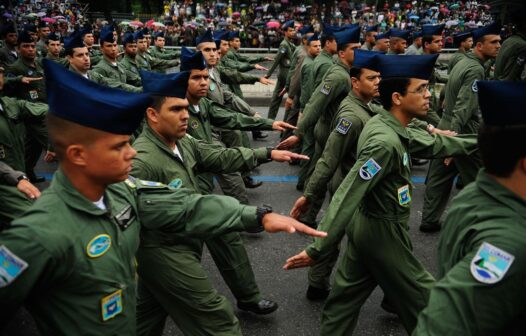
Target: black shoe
(418, 162)
(257, 135)
(251, 183)
(430, 227)
(387, 306)
(263, 307)
(317, 294)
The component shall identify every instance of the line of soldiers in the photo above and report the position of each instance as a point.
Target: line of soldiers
(362, 117)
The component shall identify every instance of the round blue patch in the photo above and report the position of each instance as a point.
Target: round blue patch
(98, 245)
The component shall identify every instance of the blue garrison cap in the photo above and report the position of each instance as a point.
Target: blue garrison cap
(82, 101)
(408, 66)
(25, 37)
(206, 37)
(74, 41)
(232, 35)
(430, 29)
(491, 29)
(403, 34)
(328, 30)
(159, 34)
(106, 35)
(460, 37)
(138, 35)
(385, 35)
(306, 29)
(43, 24)
(371, 28)
(499, 102)
(85, 31)
(8, 29)
(192, 60)
(366, 59)
(52, 37)
(288, 24)
(314, 37)
(30, 28)
(346, 36)
(129, 37)
(165, 85)
(349, 26)
(145, 31)
(417, 34)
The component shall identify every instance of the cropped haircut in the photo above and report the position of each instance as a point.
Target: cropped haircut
(389, 86)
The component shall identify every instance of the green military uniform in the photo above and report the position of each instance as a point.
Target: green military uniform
(117, 72)
(149, 63)
(34, 91)
(338, 157)
(190, 299)
(322, 63)
(132, 69)
(293, 85)
(283, 60)
(413, 50)
(16, 117)
(41, 48)
(486, 220)
(229, 75)
(234, 60)
(461, 115)
(95, 56)
(511, 59)
(8, 56)
(372, 206)
(455, 58)
(163, 53)
(221, 94)
(66, 239)
(110, 82)
(62, 61)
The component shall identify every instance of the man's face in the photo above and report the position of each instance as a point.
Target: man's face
(436, 44)
(314, 48)
(160, 42)
(141, 45)
(171, 121)
(44, 32)
(198, 83)
(348, 53)
(54, 47)
(110, 50)
(148, 40)
(11, 39)
(331, 46)
(418, 42)
(367, 85)
(89, 40)
(490, 46)
(290, 33)
(467, 44)
(416, 101)
(27, 51)
(80, 60)
(398, 45)
(33, 35)
(224, 47)
(209, 51)
(131, 49)
(370, 37)
(382, 45)
(235, 43)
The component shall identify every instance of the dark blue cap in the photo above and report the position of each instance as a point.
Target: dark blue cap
(288, 24)
(417, 34)
(430, 29)
(43, 24)
(313, 37)
(366, 59)
(220, 34)
(165, 85)
(349, 26)
(348, 36)
(159, 34)
(145, 31)
(306, 29)
(371, 28)
(206, 37)
(8, 29)
(500, 102)
(52, 37)
(385, 35)
(129, 37)
(491, 29)
(86, 30)
(25, 37)
(192, 60)
(74, 41)
(408, 66)
(82, 101)
(232, 35)
(461, 37)
(106, 35)
(138, 35)
(30, 28)
(328, 30)
(403, 34)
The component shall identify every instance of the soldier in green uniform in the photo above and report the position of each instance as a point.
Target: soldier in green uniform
(372, 204)
(83, 232)
(109, 67)
(8, 52)
(511, 60)
(43, 32)
(382, 42)
(464, 42)
(158, 50)
(461, 116)
(146, 61)
(128, 61)
(397, 41)
(54, 49)
(313, 50)
(94, 54)
(370, 37)
(416, 48)
(481, 253)
(168, 155)
(282, 60)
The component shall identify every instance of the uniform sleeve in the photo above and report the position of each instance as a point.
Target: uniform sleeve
(161, 64)
(223, 118)
(295, 78)
(233, 76)
(113, 83)
(142, 170)
(277, 61)
(233, 64)
(8, 175)
(466, 103)
(236, 103)
(425, 145)
(349, 196)
(322, 70)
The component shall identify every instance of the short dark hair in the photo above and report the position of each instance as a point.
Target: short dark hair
(500, 148)
(481, 39)
(342, 47)
(326, 38)
(355, 72)
(427, 39)
(157, 102)
(389, 86)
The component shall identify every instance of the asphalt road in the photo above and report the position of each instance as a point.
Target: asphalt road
(296, 315)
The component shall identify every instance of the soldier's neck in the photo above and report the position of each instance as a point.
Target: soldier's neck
(193, 100)
(111, 60)
(400, 115)
(82, 183)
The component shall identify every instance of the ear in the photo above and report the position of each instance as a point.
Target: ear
(396, 98)
(76, 154)
(152, 115)
(354, 82)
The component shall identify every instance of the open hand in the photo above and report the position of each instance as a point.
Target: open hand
(300, 207)
(300, 260)
(286, 156)
(289, 142)
(274, 222)
(281, 126)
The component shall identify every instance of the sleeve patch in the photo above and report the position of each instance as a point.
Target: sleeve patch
(474, 86)
(343, 126)
(369, 169)
(283, 50)
(11, 266)
(326, 89)
(520, 60)
(490, 264)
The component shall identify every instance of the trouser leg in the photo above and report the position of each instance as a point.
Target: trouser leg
(276, 98)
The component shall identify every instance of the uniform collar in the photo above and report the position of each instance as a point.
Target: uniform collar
(326, 53)
(104, 59)
(343, 65)
(474, 57)
(154, 137)
(500, 194)
(388, 119)
(360, 102)
(129, 59)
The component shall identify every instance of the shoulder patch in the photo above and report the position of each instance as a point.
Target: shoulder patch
(343, 126)
(474, 86)
(283, 50)
(176, 183)
(326, 89)
(490, 264)
(98, 246)
(369, 169)
(520, 60)
(11, 266)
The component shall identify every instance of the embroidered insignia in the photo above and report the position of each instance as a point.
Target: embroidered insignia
(194, 124)
(212, 86)
(11, 266)
(176, 183)
(474, 86)
(151, 183)
(98, 246)
(490, 264)
(30, 72)
(111, 305)
(343, 126)
(326, 89)
(369, 169)
(405, 159)
(404, 196)
(33, 94)
(283, 50)
(520, 60)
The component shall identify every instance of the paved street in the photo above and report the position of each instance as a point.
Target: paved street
(296, 315)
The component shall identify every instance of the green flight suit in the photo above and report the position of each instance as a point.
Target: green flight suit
(233, 77)
(322, 63)
(455, 58)
(116, 72)
(461, 114)
(132, 70)
(34, 91)
(95, 56)
(190, 299)
(234, 60)
(336, 161)
(79, 260)
(14, 202)
(294, 85)
(511, 59)
(8, 55)
(372, 207)
(111, 82)
(62, 61)
(164, 54)
(16, 119)
(236, 56)
(282, 59)
(485, 212)
(149, 63)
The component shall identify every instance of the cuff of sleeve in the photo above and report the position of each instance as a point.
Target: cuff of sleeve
(261, 155)
(12, 178)
(249, 218)
(312, 252)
